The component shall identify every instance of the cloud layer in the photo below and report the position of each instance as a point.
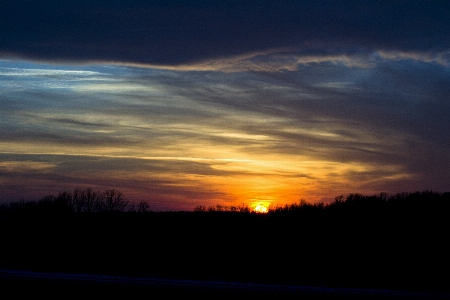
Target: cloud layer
(179, 32)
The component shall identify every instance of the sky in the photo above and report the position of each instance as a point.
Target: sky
(187, 103)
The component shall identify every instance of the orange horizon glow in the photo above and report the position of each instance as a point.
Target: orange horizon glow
(257, 181)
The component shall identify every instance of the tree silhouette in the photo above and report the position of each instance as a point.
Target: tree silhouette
(113, 201)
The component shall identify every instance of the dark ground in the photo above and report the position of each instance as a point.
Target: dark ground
(359, 244)
(38, 284)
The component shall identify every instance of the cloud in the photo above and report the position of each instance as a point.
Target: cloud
(26, 166)
(282, 60)
(441, 58)
(268, 61)
(44, 72)
(179, 32)
(275, 110)
(166, 182)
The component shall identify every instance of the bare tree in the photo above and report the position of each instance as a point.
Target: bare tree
(77, 200)
(86, 200)
(114, 201)
(143, 207)
(92, 200)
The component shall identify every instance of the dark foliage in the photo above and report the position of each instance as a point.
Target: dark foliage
(381, 241)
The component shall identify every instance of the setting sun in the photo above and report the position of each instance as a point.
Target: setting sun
(260, 209)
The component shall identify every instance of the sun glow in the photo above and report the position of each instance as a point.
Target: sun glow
(259, 208)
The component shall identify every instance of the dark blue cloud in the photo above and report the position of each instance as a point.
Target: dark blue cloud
(173, 32)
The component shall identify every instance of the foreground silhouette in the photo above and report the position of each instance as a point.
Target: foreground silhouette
(383, 242)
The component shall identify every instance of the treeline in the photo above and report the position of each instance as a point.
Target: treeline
(81, 200)
(355, 202)
(243, 208)
(112, 200)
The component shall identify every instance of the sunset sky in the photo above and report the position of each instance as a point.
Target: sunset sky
(186, 103)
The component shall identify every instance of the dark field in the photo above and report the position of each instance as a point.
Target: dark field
(360, 247)
(19, 284)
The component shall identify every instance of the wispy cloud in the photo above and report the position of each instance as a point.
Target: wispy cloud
(282, 60)
(441, 58)
(26, 166)
(45, 72)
